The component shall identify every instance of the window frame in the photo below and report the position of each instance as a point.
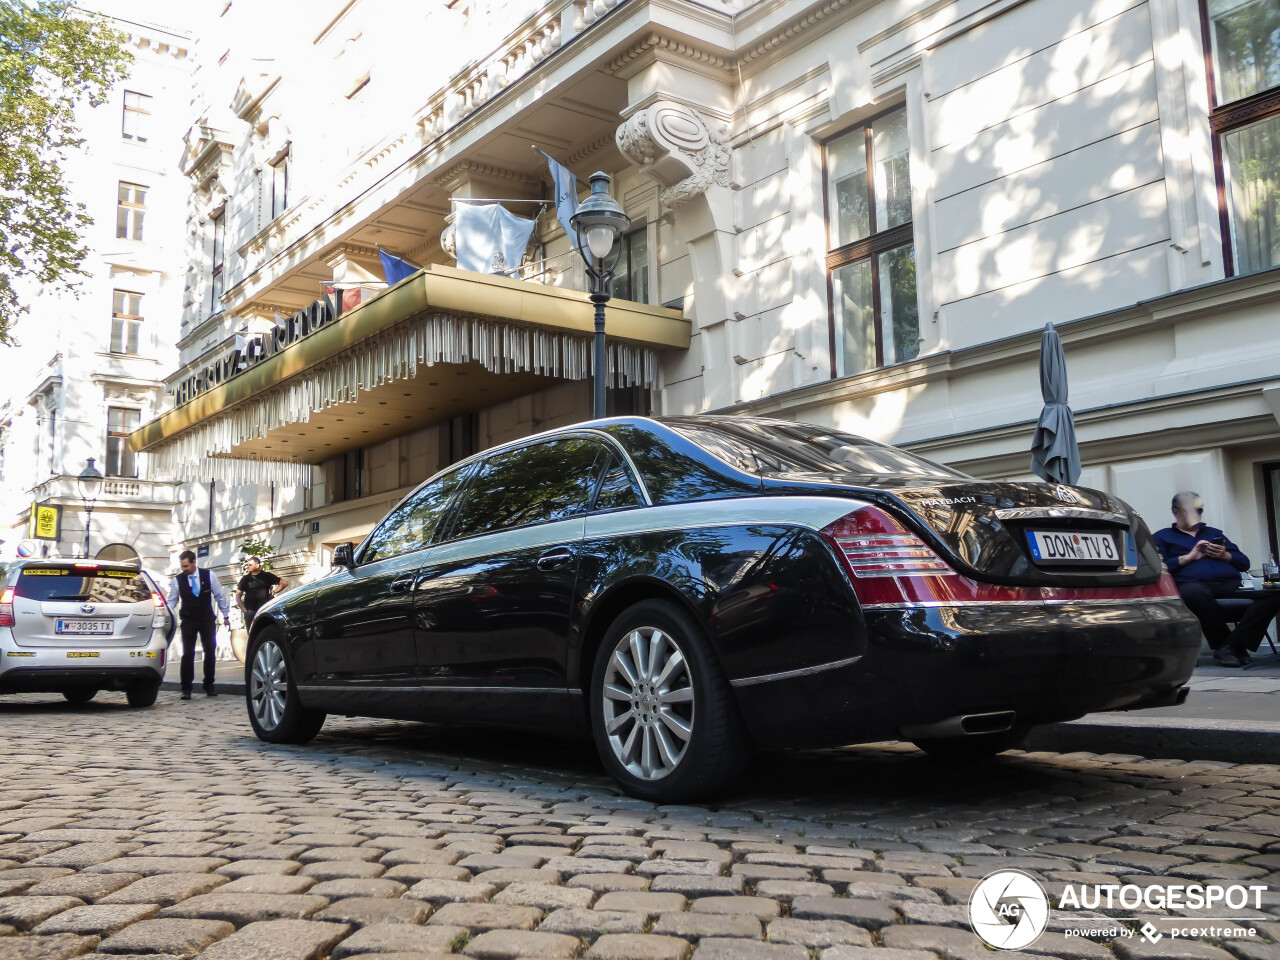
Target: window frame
(869, 247)
(626, 240)
(218, 222)
(1225, 119)
(139, 110)
(123, 436)
(279, 169)
(137, 211)
(129, 322)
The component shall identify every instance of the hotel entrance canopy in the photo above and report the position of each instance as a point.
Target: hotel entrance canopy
(441, 343)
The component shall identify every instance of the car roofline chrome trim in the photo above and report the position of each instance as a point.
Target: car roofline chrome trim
(792, 674)
(1102, 601)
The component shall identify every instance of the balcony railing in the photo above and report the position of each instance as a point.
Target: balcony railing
(113, 489)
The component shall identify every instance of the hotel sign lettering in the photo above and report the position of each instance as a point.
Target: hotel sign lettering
(252, 350)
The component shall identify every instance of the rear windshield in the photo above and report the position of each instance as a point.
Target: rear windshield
(100, 586)
(782, 448)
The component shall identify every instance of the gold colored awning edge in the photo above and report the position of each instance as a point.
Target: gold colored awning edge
(433, 289)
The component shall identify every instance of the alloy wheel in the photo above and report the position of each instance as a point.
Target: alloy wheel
(268, 685)
(648, 703)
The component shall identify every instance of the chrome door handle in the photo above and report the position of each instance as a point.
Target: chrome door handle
(555, 559)
(402, 583)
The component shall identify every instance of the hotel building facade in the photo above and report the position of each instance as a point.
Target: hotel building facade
(857, 213)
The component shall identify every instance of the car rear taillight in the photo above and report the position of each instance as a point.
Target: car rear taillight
(6, 607)
(156, 599)
(888, 562)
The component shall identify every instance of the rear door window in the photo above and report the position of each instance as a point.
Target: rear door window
(99, 586)
(618, 488)
(547, 481)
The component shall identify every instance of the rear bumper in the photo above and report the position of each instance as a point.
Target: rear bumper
(53, 669)
(925, 664)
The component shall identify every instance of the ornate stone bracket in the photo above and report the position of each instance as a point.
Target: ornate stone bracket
(678, 147)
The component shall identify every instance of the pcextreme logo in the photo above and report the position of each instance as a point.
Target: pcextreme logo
(1009, 910)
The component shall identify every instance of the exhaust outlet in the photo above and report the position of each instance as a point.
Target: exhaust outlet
(964, 725)
(1172, 698)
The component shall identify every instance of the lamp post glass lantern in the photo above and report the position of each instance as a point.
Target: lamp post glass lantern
(599, 225)
(90, 480)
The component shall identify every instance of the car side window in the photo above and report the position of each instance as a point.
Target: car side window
(412, 524)
(539, 483)
(618, 488)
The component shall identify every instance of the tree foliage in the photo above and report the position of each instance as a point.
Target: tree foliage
(52, 59)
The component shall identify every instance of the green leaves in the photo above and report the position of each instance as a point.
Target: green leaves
(52, 59)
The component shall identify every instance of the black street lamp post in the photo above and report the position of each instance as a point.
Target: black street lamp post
(90, 480)
(600, 223)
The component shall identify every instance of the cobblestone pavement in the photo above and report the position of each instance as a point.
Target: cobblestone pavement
(173, 832)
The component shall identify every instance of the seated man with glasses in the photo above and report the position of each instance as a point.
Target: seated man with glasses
(1206, 566)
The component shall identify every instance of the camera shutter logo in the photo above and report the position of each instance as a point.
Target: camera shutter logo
(1009, 910)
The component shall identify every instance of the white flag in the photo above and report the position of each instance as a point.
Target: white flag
(490, 238)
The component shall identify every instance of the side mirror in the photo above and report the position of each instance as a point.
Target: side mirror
(343, 556)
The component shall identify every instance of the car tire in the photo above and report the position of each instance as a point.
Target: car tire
(670, 732)
(973, 748)
(276, 712)
(142, 693)
(79, 695)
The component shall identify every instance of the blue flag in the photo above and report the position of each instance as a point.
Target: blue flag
(395, 268)
(566, 193)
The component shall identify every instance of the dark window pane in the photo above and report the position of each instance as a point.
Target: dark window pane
(890, 147)
(534, 484)
(412, 525)
(1245, 36)
(108, 586)
(618, 488)
(847, 171)
(899, 315)
(675, 469)
(1251, 166)
(855, 318)
(799, 448)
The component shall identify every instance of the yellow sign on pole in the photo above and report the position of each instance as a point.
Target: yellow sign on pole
(46, 522)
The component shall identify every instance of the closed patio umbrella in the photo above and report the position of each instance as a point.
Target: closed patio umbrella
(1054, 453)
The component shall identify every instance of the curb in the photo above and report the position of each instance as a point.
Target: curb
(1229, 741)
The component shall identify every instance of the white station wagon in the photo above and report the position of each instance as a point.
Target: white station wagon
(79, 626)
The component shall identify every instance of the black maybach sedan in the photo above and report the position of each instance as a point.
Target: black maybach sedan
(686, 588)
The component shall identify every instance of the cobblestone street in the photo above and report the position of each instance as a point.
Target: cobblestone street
(173, 832)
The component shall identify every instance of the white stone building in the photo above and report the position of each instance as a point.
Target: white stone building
(852, 212)
(90, 366)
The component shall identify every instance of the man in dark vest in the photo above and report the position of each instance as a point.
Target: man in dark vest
(195, 591)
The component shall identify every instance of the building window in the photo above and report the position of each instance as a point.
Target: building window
(121, 461)
(126, 322)
(871, 260)
(219, 225)
(137, 112)
(131, 207)
(279, 186)
(631, 276)
(1243, 38)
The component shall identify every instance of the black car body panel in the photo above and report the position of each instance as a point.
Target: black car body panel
(733, 518)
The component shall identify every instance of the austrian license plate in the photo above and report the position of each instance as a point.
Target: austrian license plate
(82, 628)
(1073, 547)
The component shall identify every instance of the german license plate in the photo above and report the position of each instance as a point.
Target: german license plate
(1073, 547)
(83, 628)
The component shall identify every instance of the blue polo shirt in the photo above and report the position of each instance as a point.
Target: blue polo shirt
(1173, 543)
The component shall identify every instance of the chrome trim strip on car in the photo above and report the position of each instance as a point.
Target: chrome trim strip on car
(813, 513)
(790, 674)
(553, 534)
(371, 688)
(1059, 513)
(1108, 602)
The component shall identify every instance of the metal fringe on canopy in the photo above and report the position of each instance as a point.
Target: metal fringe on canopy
(393, 355)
